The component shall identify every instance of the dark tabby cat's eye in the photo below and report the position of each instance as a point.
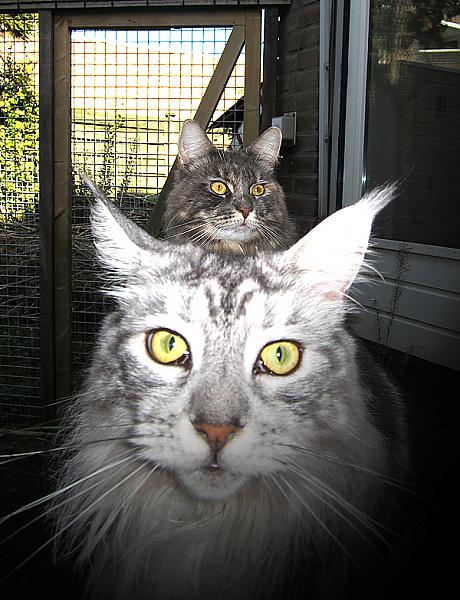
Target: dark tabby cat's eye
(219, 188)
(168, 347)
(257, 189)
(279, 358)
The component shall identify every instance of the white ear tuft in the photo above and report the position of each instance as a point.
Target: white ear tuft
(267, 146)
(121, 245)
(193, 143)
(330, 256)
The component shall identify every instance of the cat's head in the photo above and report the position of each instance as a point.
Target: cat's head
(232, 197)
(226, 366)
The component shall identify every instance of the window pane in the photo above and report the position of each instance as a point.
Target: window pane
(413, 118)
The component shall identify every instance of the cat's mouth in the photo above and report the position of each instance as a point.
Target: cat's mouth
(212, 483)
(213, 468)
(239, 231)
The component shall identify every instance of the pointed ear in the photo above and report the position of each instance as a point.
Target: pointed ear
(330, 256)
(267, 146)
(121, 245)
(193, 143)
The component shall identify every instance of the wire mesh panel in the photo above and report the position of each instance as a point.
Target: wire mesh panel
(131, 92)
(19, 240)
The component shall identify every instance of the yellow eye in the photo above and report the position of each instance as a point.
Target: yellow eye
(168, 347)
(280, 358)
(219, 187)
(257, 189)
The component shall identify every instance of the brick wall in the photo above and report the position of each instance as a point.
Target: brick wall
(298, 90)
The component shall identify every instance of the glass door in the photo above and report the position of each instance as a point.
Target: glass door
(412, 128)
(402, 123)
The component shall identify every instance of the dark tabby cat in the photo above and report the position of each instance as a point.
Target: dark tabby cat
(228, 201)
(231, 441)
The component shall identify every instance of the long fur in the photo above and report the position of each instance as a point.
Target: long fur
(305, 489)
(195, 214)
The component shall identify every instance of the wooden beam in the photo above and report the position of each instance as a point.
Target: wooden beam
(220, 77)
(46, 210)
(270, 62)
(252, 78)
(203, 114)
(62, 208)
(150, 19)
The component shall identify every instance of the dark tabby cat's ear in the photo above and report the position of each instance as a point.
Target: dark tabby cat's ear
(267, 146)
(193, 143)
(330, 256)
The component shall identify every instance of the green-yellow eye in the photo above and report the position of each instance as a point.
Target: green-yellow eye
(219, 187)
(280, 358)
(258, 189)
(168, 347)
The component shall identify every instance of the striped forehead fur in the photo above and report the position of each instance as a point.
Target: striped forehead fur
(148, 502)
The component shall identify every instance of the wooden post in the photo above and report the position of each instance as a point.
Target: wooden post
(252, 78)
(270, 62)
(62, 208)
(46, 213)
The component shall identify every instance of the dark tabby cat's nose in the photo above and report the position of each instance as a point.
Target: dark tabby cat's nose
(245, 212)
(216, 435)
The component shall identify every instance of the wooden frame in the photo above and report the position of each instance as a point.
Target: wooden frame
(62, 208)
(246, 30)
(46, 214)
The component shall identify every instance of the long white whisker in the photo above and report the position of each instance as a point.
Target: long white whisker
(52, 495)
(17, 456)
(103, 529)
(56, 507)
(344, 504)
(320, 521)
(397, 483)
(70, 523)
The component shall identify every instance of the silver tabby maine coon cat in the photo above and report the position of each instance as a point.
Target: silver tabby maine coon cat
(232, 441)
(227, 201)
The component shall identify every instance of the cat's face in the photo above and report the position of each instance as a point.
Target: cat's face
(231, 196)
(188, 362)
(225, 366)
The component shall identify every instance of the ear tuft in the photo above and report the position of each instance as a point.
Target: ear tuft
(330, 256)
(193, 143)
(120, 243)
(267, 146)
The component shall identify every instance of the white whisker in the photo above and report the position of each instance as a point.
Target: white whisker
(70, 523)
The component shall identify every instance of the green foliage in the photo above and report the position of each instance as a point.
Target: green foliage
(426, 19)
(113, 174)
(18, 128)
(19, 26)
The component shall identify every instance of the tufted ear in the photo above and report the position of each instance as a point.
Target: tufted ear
(193, 143)
(121, 245)
(267, 146)
(330, 256)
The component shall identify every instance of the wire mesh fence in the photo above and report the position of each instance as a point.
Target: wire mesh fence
(131, 92)
(19, 235)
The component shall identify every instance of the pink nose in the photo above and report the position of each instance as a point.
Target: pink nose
(216, 435)
(245, 212)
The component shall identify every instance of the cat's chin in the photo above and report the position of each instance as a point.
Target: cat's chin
(212, 485)
(237, 232)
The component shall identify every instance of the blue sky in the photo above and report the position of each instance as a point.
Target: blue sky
(201, 40)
